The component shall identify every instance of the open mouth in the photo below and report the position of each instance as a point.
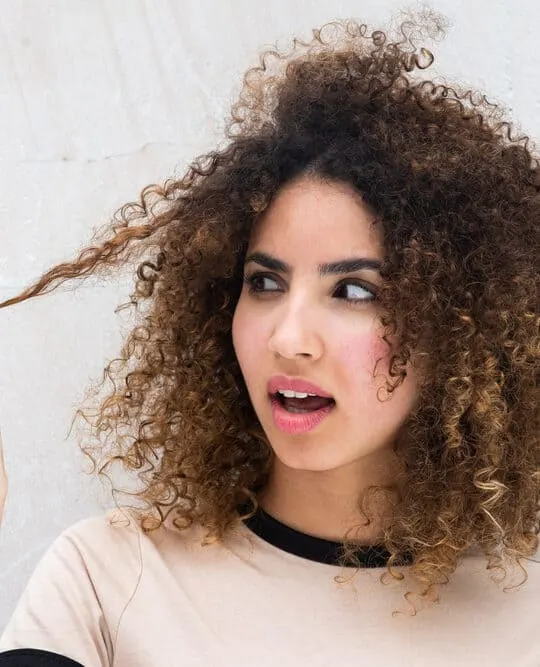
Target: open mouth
(302, 405)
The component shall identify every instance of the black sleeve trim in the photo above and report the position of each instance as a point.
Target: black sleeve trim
(35, 657)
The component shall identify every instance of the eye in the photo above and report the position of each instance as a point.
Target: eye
(358, 292)
(355, 292)
(254, 282)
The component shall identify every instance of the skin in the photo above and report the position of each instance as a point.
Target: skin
(310, 326)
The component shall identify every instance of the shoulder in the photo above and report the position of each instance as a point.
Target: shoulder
(115, 537)
(101, 539)
(75, 597)
(121, 528)
(116, 526)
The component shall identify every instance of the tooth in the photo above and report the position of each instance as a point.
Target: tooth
(294, 394)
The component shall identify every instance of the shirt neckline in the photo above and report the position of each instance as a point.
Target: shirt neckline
(313, 548)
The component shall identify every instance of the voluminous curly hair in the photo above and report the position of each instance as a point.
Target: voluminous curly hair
(459, 201)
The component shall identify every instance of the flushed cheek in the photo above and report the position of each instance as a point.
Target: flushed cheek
(364, 360)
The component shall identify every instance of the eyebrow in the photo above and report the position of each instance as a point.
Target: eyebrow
(342, 266)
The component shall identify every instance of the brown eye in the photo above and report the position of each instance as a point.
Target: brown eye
(255, 282)
(357, 294)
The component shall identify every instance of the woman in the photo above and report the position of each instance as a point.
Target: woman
(331, 397)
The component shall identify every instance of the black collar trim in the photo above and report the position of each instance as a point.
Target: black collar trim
(313, 548)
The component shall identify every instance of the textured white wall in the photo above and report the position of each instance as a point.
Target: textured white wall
(99, 98)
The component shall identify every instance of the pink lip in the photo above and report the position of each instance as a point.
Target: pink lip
(295, 384)
(297, 423)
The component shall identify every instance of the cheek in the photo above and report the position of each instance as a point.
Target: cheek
(248, 338)
(359, 354)
(364, 362)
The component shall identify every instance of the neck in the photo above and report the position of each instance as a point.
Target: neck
(325, 504)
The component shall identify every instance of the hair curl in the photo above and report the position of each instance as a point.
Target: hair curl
(459, 201)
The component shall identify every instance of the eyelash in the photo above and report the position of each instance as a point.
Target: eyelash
(250, 281)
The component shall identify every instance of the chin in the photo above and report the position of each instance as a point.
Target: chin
(310, 456)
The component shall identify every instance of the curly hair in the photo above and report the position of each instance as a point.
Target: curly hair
(459, 200)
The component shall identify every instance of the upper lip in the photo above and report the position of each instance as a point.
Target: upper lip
(295, 384)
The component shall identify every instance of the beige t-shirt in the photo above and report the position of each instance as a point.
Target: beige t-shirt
(106, 594)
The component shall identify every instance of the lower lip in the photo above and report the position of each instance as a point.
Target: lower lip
(293, 422)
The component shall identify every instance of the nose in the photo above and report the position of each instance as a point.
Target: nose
(295, 335)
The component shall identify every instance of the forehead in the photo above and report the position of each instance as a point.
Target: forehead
(313, 215)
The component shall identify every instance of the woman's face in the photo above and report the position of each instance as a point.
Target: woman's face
(324, 329)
